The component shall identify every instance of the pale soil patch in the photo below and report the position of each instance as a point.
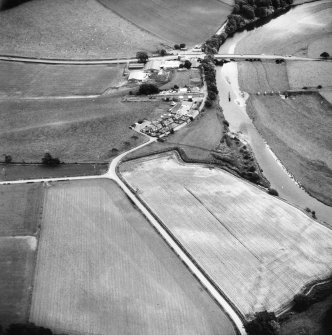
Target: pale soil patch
(33, 80)
(102, 269)
(185, 21)
(299, 132)
(309, 74)
(77, 130)
(259, 250)
(262, 76)
(70, 29)
(20, 209)
(17, 267)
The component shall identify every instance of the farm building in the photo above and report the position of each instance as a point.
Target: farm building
(135, 66)
(138, 76)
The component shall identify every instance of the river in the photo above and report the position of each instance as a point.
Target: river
(235, 113)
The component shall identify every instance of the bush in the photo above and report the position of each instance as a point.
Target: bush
(148, 89)
(272, 191)
(301, 302)
(48, 160)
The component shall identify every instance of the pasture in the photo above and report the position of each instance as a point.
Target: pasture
(102, 269)
(298, 130)
(20, 209)
(17, 260)
(259, 250)
(185, 21)
(75, 130)
(70, 29)
(190, 77)
(38, 80)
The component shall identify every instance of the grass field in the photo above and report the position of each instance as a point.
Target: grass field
(34, 80)
(75, 130)
(70, 29)
(17, 258)
(183, 78)
(258, 249)
(20, 209)
(263, 76)
(186, 21)
(102, 269)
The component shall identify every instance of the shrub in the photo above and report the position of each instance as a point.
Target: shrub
(301, 302)
(272, 191)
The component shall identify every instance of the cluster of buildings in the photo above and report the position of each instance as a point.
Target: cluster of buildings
(179, 115)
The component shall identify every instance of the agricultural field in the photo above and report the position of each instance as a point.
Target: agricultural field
(75, 130)
(102, 269)
(263, 76)
(298, 130)
(259, 250)
(81, 29)
(186, 21)
(37, 80)
(20, 211)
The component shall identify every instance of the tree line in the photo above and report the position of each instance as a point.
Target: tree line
(25, 329)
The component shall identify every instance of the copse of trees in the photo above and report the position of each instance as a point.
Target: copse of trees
(25, 329)
(146, 89)
(264, 323)
(48, 160)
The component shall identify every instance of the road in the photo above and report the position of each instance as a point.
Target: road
(268, 57)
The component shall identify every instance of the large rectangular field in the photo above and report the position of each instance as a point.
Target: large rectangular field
(75, 130)
(37, 80)
(102, 269)
(185, 21)
(259, 250)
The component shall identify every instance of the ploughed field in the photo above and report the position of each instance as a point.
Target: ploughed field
(185, 21)
(20, 211)
(259, 250)
(102, 269)
(71, 29)
(41, 80)
(298, 128)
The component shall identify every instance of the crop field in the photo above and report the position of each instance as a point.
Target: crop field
(102, 269)
(299, 132)
(70, 29)
(262, 76)
(75, 130)
(259, 250)
(20, 209)
(17, 258)
(33, 80)
(185, 21)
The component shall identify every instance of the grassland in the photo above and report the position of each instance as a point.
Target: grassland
(298, 128)
(20, 211)
(102, 269)
(186, 21)
(299, 132)
(75, 130)
(190, 77)
(37, 80)
(259, 250)
(70, 29)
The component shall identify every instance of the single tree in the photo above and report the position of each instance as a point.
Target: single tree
(142, 56)
(182, 45)
(176, 47)
(187, 64)
(8, 159)
(324, 54)
(162, 52)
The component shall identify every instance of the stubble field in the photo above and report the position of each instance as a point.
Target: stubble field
(259, 250)
(102, 269)
(185, 21)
